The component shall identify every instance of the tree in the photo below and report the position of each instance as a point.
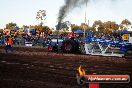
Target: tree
(38, 28)
(98, 26)
(74, 27)
(64, 26)
(124, 24)
(91, 29)
(41, 16)
(83, 26)
(1, 31)
(110, 26)
(11, 26)
(25, 26)
(46, 29)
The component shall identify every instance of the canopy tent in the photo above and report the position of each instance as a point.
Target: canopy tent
(122, 31)
(125, 31)
(78, 31)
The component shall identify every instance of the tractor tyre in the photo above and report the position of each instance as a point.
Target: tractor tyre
(70, 46)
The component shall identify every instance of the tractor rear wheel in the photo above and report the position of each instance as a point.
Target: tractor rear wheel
(70, 46)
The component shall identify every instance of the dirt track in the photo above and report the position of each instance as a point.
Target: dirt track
(33, 68)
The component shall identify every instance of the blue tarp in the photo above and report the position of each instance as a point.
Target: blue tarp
(125, 31)
(122, 31)
(78, 31)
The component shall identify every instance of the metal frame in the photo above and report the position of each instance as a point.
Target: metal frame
(89, 49)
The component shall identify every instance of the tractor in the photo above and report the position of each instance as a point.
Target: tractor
(67, 45)
(90, 45)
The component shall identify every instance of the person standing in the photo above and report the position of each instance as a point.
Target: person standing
(9, 43)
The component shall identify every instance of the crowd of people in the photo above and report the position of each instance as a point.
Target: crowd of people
(21, 39)
(41, 39)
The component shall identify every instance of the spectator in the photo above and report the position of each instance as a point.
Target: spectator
(9, 43)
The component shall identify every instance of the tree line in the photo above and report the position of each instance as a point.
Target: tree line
(98, 26)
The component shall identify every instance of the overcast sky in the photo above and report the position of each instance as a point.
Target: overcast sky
(23, 12)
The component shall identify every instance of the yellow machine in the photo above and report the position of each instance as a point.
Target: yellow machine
(125, 37)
